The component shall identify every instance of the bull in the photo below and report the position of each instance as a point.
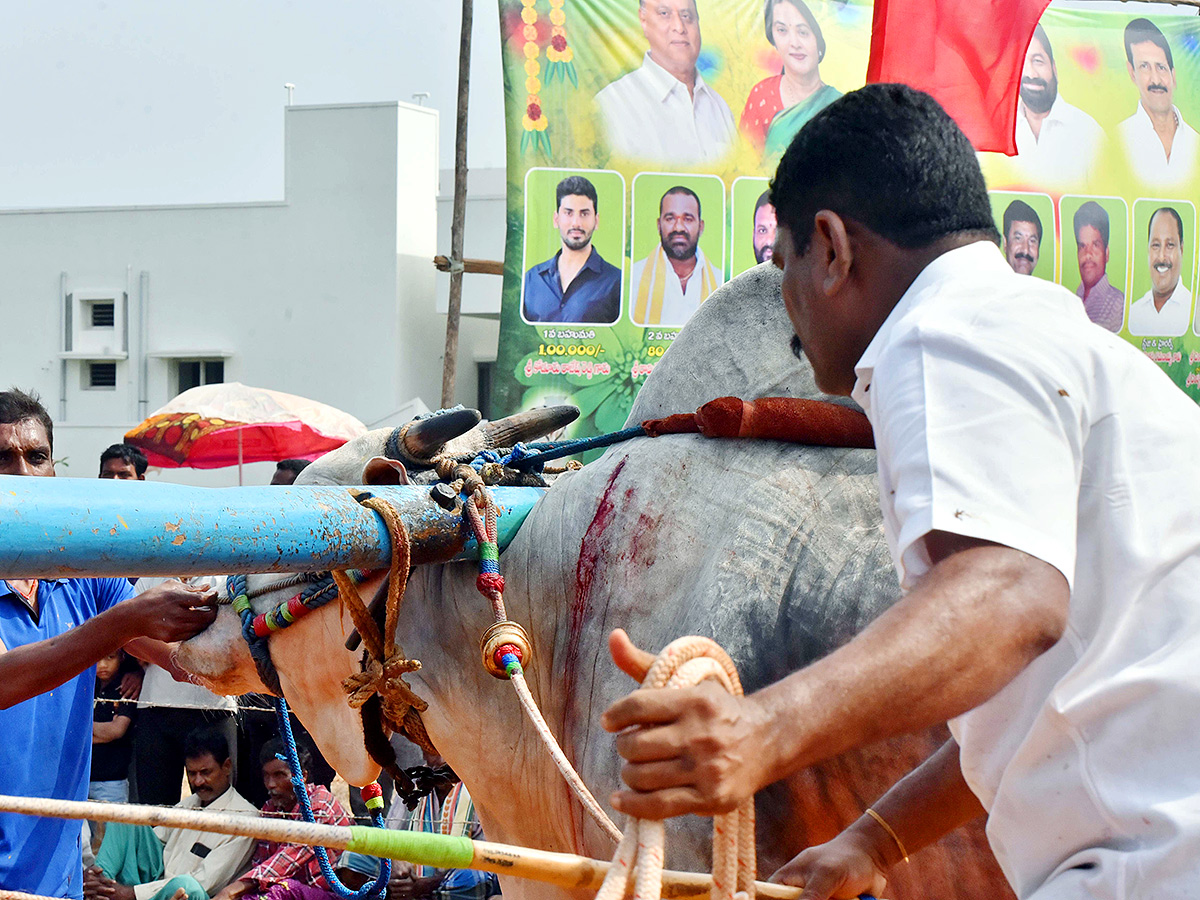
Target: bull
(774, 550)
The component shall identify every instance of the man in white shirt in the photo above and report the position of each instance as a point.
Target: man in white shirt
(1166, 308)
(665, 111)
(671, 283)
(1042, 518)
(1161, 147)
(1056, 142)
(137, 862)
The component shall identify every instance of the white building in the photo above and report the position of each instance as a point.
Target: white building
(328, 292)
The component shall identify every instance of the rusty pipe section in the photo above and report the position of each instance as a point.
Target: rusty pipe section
(71, 527)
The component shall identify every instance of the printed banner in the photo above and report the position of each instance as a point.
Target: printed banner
(642, 137)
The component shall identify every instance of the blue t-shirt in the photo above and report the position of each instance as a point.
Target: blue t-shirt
(46, 748)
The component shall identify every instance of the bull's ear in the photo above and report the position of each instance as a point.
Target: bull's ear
(381, 470)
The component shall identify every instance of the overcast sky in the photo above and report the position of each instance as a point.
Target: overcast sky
(119, 102)
(164, 101)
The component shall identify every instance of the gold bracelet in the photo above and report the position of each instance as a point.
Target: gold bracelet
(888, 828)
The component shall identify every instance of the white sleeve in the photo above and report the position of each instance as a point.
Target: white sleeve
(977, 441)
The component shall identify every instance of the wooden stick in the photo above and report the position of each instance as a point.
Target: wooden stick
(471, 266)
(563, 869)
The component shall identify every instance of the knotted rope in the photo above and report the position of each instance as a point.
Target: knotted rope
(683, 663)
(384, 663)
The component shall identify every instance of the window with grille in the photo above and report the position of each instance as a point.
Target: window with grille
(101, 376)
(103, 314)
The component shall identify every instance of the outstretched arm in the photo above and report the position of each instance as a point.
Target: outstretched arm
(924, 805)
(169, 612)
(981, 615)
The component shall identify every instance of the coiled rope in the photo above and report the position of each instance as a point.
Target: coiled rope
(686, 662)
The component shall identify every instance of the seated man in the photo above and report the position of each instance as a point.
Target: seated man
(137, 861)
(446, 809)
(288, 871)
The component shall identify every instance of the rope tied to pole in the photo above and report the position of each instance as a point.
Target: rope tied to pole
(686, 662)
(384, 661)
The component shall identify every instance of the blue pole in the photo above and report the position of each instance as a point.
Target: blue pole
(65, 527)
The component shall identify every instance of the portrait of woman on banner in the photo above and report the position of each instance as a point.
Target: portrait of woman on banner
(780, 105)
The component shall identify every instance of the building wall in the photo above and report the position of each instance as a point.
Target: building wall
(329, 293)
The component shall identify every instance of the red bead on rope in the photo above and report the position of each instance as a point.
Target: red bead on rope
(503, 649)
(371, 790)
(490, 584)
(296, 607)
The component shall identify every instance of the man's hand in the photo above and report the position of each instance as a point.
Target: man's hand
(404, 885)
(843, 868)
(233, 890)
(171, 611)
(98, 886)
(691, 750)
(131, 685)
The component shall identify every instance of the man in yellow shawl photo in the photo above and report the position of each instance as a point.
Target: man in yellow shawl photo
(671, 283)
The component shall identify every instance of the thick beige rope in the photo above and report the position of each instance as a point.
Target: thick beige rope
(683, 663)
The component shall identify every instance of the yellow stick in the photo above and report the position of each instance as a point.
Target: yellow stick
(562, 869)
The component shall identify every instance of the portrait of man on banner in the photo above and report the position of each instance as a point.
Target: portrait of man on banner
(576, 285)
(1056, 141)
(1022, 235)
(671, 283)
(664, 110)
(1103, 302)
(1165, 309)
(1160, 145)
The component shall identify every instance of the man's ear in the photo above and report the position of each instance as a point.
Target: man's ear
(227, 766)
(1129, 69)
(834, 254)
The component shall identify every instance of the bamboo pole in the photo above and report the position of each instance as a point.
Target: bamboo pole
(458, 217)
(562, 869)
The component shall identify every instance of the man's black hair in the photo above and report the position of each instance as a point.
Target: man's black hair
(763, 199)
(580, 187)
(680, 189)
(802, 8)
(1020, 211)
(293, 465)
(1040, 33)
(1091, 213)
(17, 406)
(126, 453)
(1138, 31)
(888, 157)
(206, 740)
(274, 747)
(1172, 211)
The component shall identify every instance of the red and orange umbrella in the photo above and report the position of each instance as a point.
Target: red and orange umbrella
(220, 425)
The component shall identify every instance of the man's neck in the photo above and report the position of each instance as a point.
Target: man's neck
(686, 76)
(1035, 119)
(215, 798)
(570, 262)
(27, 590)
(1087, 288)
(1160, 300)
(1165, 125)
(684, 268)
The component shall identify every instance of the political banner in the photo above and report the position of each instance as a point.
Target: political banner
(642, 137)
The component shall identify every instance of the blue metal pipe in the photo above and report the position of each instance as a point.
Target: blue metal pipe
(69, 527)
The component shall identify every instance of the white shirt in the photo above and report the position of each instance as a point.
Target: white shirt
(1001, 412)
(1170, 321)
(159, 688)
(1065, 147)
(678, 304)
(1148, 159)
(226, 857)
(649, 115)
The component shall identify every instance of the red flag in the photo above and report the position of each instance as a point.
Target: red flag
(967, 53)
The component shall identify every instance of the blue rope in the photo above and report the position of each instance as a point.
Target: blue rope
(531, 457)
(372, 888)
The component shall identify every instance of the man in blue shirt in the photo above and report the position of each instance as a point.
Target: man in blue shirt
(52, 633)
(575, 285)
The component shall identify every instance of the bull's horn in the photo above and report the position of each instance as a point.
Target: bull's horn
(422, 439)
(528, 425)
